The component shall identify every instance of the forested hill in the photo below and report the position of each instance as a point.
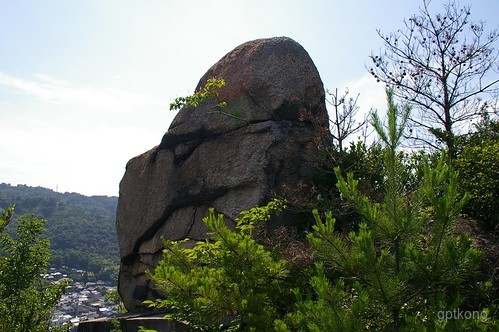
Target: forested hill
(81, 229)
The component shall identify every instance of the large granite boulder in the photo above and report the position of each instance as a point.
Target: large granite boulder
(266, 140)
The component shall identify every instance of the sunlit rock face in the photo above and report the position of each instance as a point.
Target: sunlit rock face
(268, 138)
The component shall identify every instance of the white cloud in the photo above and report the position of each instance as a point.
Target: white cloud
(372, 94)
(52, 90)
(76, 137)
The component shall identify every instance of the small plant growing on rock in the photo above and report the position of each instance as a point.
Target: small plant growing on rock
(210, 90)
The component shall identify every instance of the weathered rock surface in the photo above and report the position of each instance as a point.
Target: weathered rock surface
(210, 159)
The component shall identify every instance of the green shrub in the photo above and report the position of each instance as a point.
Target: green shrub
(230, 281)
(478, 167)
(403, 266)
(26, 300)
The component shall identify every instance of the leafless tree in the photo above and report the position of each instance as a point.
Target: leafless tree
(344, 120)
(441, 64)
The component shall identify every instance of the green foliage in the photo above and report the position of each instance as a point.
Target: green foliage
(81, 229)
(403, 264)
(26, 299)
(117, 326)
(364, 162)
(144, 329)
(358, 158)
(230, 281)
(334, 307)
(478, 167)
(114, 297)
(210, 90)
(398, 267)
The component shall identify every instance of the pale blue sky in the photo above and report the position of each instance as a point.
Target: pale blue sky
(85, 85)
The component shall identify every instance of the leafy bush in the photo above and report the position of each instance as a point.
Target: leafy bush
(26, 299)
(478, 167)
(366, 165)
(230, 281)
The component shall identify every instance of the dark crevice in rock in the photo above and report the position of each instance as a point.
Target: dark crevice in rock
(257, 104)
(153, 157)
(183, 147)
(191, 224)
(289, 110)
(170, 140)
(183, 151)
(180, 203)
(139, 258)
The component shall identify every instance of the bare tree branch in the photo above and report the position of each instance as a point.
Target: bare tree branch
(441, 65)
(344, 122)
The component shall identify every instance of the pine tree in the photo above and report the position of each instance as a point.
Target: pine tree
(403, 264)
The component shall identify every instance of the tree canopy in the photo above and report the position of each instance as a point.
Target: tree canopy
(81, 229)
(26, 300)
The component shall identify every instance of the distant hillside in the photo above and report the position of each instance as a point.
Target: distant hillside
(81, 229)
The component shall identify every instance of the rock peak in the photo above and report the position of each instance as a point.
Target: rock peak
(265, 79)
